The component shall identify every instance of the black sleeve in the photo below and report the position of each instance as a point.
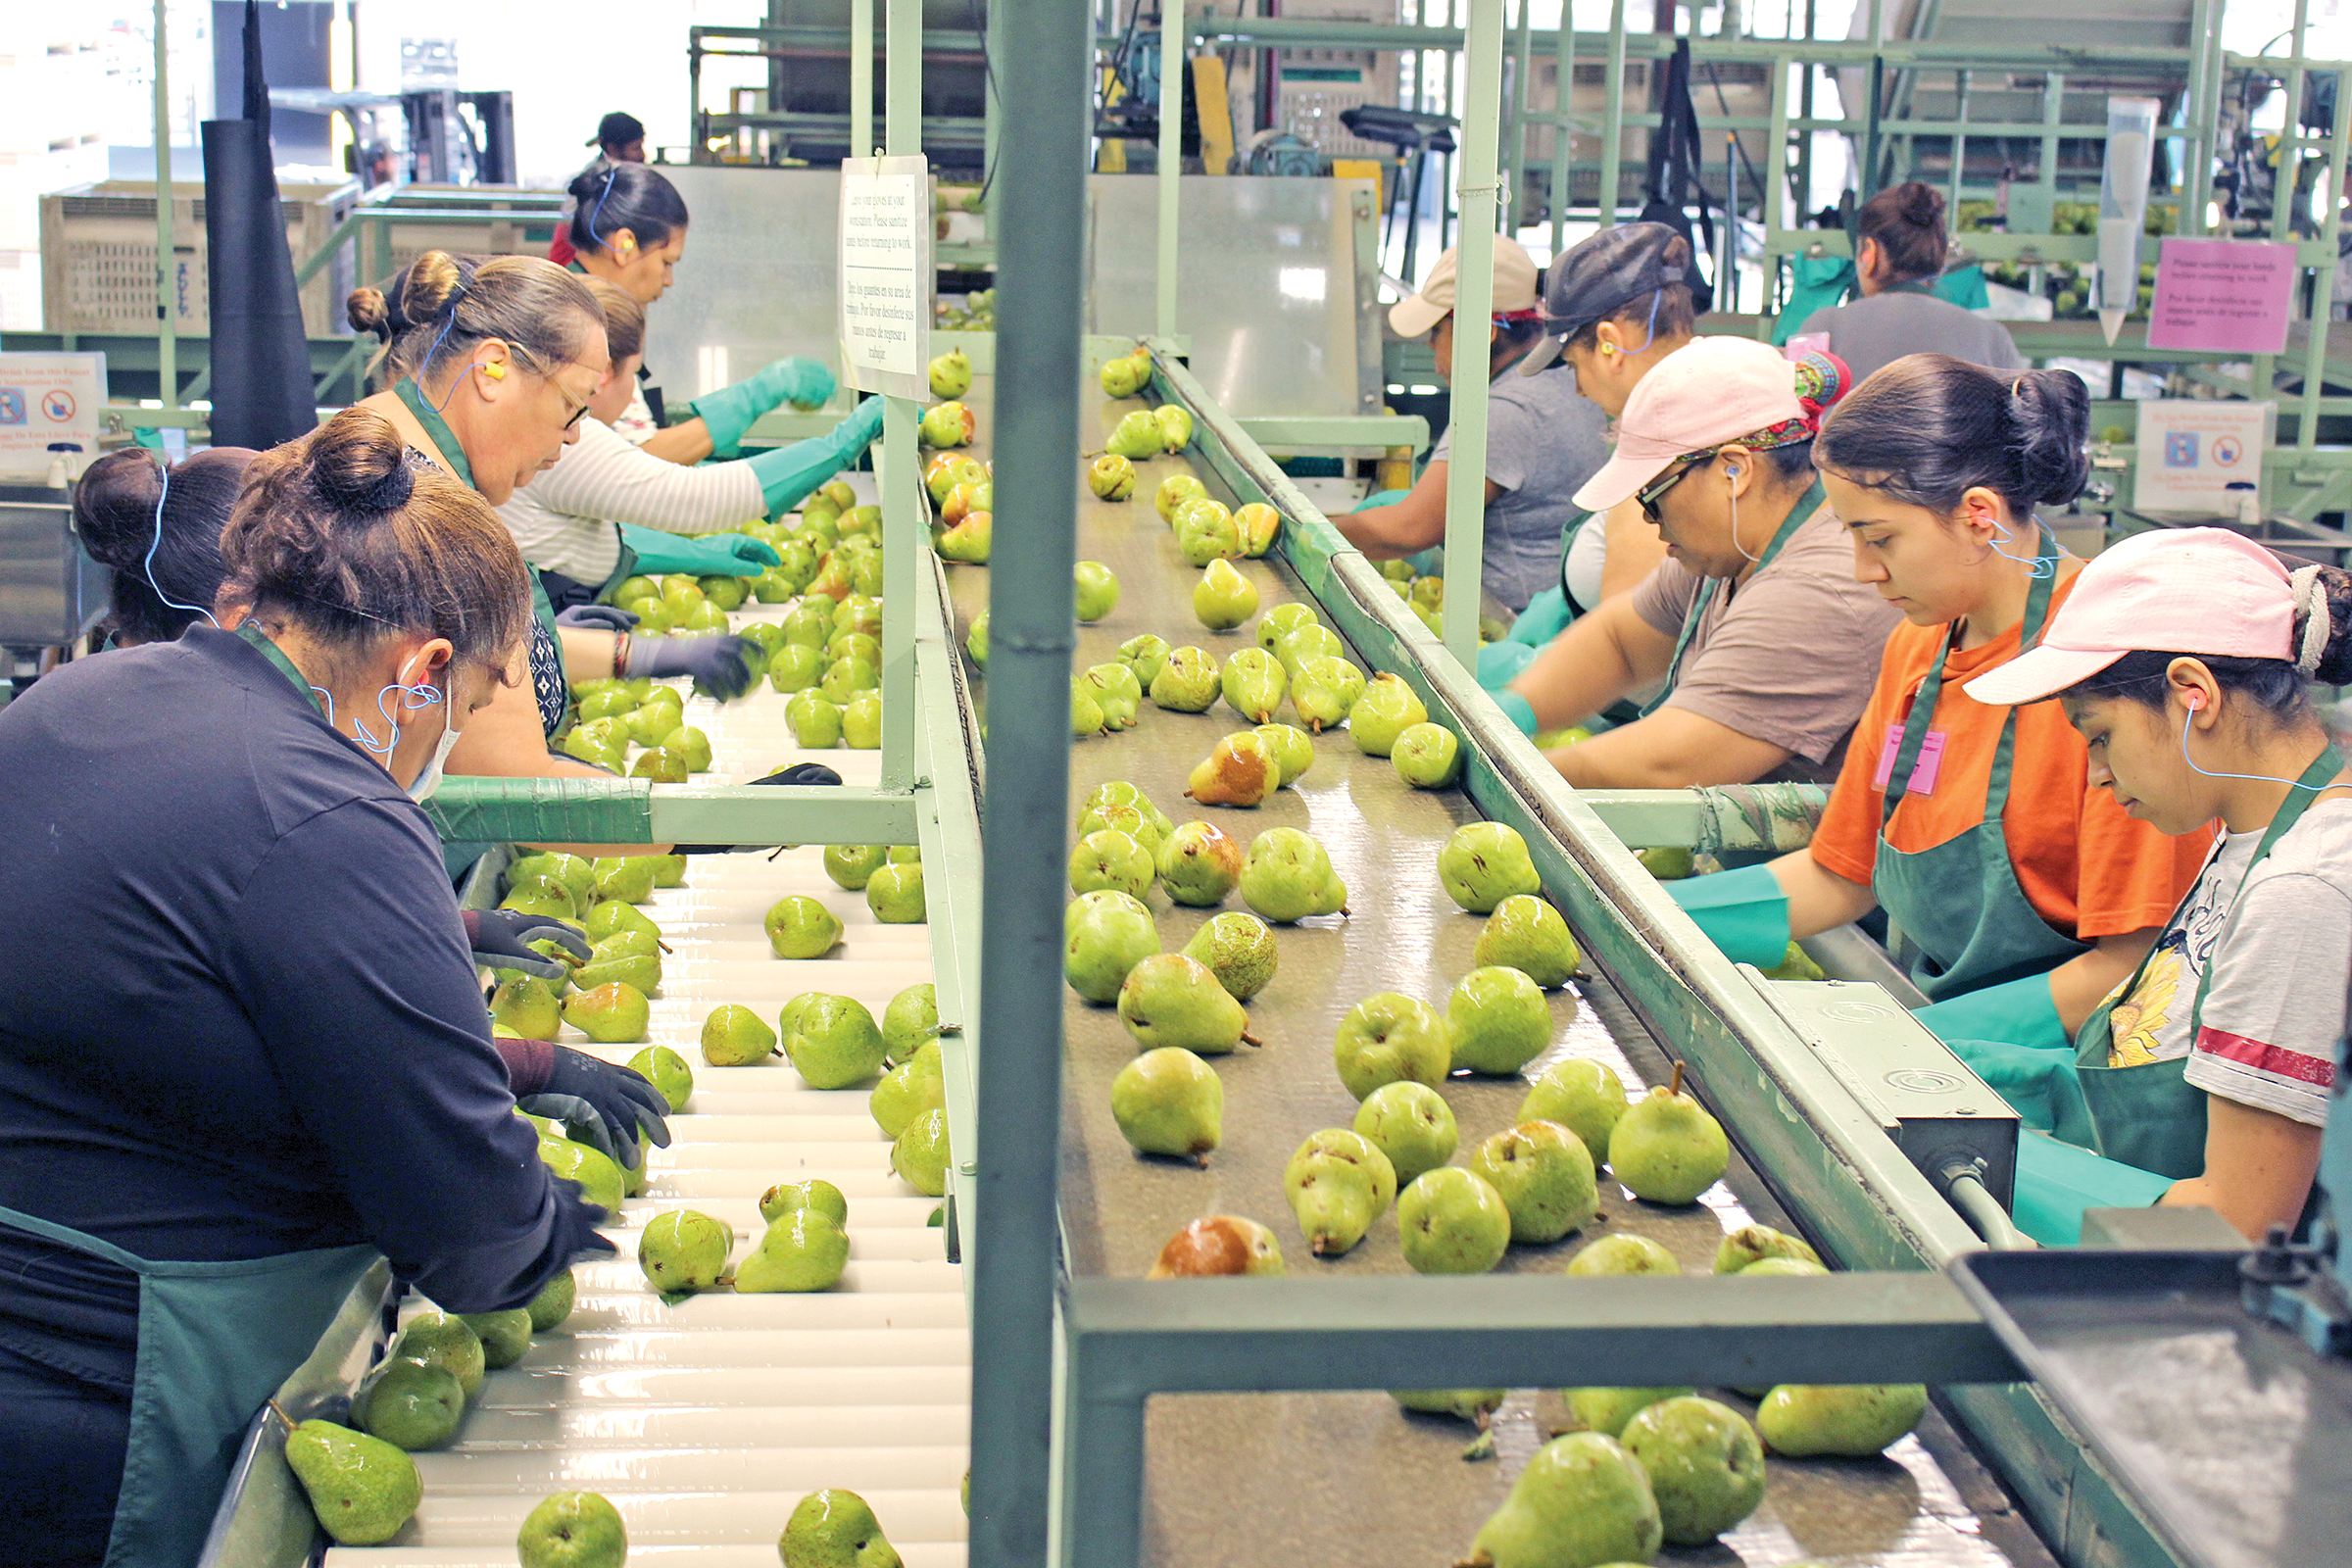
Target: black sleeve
(347, 953)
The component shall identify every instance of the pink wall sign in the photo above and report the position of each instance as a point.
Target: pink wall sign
(2230, 294)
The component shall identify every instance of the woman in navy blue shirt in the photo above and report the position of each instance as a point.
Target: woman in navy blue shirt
(242, 1048)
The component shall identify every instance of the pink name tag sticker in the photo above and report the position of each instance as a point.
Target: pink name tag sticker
(1923, 771)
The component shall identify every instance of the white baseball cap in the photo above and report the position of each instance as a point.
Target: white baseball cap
(1514, 289)
(2175, 591)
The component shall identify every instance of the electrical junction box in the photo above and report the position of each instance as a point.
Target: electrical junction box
(1934, 1108)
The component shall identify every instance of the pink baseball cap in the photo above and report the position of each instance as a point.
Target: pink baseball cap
(1712, 392)
(2175, 591)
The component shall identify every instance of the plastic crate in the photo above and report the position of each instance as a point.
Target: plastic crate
(98, 256)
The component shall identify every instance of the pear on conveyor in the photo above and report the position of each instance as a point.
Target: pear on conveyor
(1582, 1502)
(362, 1489)
(1170, 999)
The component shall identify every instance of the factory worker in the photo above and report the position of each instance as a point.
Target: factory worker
(496, 363)
(251, 1055)
(575, 522)
(1766, 645)
(1614, 304)
(2185, 659)
(619, 139)
(1901, 248)
(628, 227)
(132, 513)
(1542, 440)
(2022, 891)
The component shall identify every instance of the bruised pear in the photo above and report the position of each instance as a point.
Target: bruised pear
(1240, 772)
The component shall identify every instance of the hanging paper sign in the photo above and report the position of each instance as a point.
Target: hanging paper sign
(2192, 450)
(886, 276)
(2225, 295)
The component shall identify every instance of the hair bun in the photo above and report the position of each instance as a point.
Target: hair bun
(114, 507)
(368, 310)
(2050, 411)
(1922, 204)
(359, 464)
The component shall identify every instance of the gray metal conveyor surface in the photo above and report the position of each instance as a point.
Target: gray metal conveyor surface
(1351, 1479)
(707, 1421)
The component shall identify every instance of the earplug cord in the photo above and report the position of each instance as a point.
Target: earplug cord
(2258, 778)
(163, 493)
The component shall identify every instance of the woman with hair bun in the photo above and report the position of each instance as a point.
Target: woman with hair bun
(2186, 660)
(160, 535)
(251, 1058)
(1900, 251)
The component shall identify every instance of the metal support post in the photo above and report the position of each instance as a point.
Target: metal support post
(862, 79)
(1171, 157)
(2322, 281)
(1514, 142)
(167, 298)
(1612, 130)
(1563, 108)
(902, 528)
(1473, 310)
(1046, 68)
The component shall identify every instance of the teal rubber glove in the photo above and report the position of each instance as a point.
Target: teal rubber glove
(2056, 1182)
(1743, 913)
(1379, 498)
(729, 411)
(1515, 707)
(788, 476)
(1545, 616)
(2021, 1012)
(709, 554)
(1499, 665)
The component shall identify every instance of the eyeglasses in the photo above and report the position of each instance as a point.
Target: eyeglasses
(576, 406)
(1649, 495)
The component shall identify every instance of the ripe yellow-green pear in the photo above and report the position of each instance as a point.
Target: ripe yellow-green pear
(1498, 1021)
(734, 1036)
(1484, 863)
(1529, 935)
(1426, 755)
(1260, 525)
(896, 896)
(1205, 532)
(946, 424)
(504, 1335)
(1284, 620)
(1666, 1147)
(1238, 949)
(820, 1196)
(1254, 683)
(1705, 1466)
(1582, 1501)
(1850, 1421)
(527, 1008)
(907, 1089)
(1111, 477)
(1545, 1174)
(833, 1042)
(1622, 1253)
(683, 1251)
(1582, 1094)
(362, 1489)
(1668, 862)
(814, 720)
(1175, 427)
(1188, 681)
(601, 1181)
(573, 1530)
(1104, 935)
(910, 1022)
(1145, 655)
(803, 1251)
(553, 1304)
(1452, 1221)
(1411, 1124)
(1289, 877)
(1385, 710)
(1389, 1037)
(951, 374)
(919, 1154)
(1170, 999)
(614, 1013)
(1111, 860)
(850, 864)
(410, 1405)
(1324, 690)
(1098, 590)
(1754, 1243)
(1125, 376)
(1215, 1245)
(1170, 1101)
(1198, 865)
(445, 1340)
(1136, 436)
(834, 1529)
(861, 722)
(1238, 771)
(1291, 750)
(1223, 598)
(1173, 492)
(1338, 1183)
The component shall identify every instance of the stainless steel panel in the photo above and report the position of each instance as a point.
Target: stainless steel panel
(1269, 286)
(757, 280)
(50, 592)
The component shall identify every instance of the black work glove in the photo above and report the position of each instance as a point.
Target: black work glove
(501, 940)
(797, 773)
(719, 665)
(602, 1106)
(597, 618)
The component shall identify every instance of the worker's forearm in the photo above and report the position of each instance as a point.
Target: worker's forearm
(1579, 674)
(588, 654)
(1819, 898)
(1388, 533)
(2080, 984)
(680, 443)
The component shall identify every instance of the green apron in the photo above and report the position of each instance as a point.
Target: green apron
(1959, 902)
(2148, 1116)
(1798, 516)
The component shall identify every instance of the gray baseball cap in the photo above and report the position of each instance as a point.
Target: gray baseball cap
(1593, 280)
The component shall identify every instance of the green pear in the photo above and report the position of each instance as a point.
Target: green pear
(1338, 1182)
(1119, 792)
(919, 1154)
(660, 767)
(601, 1181)
(1498, 1021)
(1310, 641)
(795, 669)
(1386, 708)
(820, 1197)
(1849, 1420)
(1170, 999)
(447, 1341)
(542, 896)
(1145, 655)
(1545, 1174)
(833, 1528)
(573, 1530)
(734, 1036)
(1581, 1501)
(1582, 1094)
(1125, 376)
(553, 1304)
(850, 864)
(504, 1335)
(1283, 620)
(950, 374)
(629, 957)
(1139, 822)
(1795, 965)
(1484, 863)
(665, 713)
(1324, 691)
(1287, 877)
(798, 926)
(1170, 1101)
(946, 424)
(611, 1014)
(907, 1089)
(1668, 862)
(1117, 692)
(1106, 935)
(694, 746)
(1111, 861)
(803, 1251)
(1175, 427)
(1473, 1405)
(834, 1043)
(1291, 749)
(666, 1070)
(1096, 587)
(1426, 756)
(861, 722)
(1452, 1221)
(362, 1489)
(1173, 492)
(1388, 1039)
(845, 678)
(1136, 436)
(1198, 865)
(1238, 951)
(1188, 682)
(527, 1008)
(611, 702)
(1253, 684)
(1411, 1124)
(612, 919)
(1667, 1148)
(683, 1251)
(1753, 1244)
(1781, 1268)
(1205, 534)
(1622, 1253)
(1607, 1411)
(910, 1022)
(814, 720)
(1223, 598)
(894, 895)
(410, 1405)
(577, 872)
(1111, 477)
(1528, 935)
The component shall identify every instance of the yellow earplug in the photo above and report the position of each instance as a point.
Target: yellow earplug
(496, 373)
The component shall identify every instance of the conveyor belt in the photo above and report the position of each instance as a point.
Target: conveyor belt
(706, 1422)
(1349, 1478)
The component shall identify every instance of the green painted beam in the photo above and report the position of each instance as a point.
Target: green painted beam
(578, 811)
(1337, 432)
(1740, 816)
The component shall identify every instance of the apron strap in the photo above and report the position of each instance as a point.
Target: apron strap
(66, 1235)
(2306, 787)
(437, 430)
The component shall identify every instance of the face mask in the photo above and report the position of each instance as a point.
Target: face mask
(409, 698)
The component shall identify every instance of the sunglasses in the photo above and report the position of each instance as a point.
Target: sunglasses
(1649, 495)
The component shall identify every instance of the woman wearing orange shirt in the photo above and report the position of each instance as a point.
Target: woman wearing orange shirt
(2022, 896)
